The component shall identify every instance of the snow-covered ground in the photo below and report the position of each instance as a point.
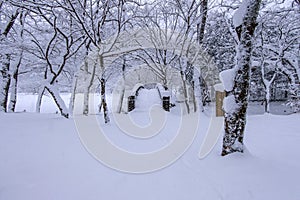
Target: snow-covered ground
(42, 157)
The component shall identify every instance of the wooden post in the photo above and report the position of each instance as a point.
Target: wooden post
(219, 103)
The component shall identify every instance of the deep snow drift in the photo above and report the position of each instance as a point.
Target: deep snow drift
(42, 157)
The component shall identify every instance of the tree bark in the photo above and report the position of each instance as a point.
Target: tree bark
(14, 87)
(103, 101)
(73, 95)
(201, 25)
(58, 100)
(120, 105)
(4, 83)
(235, 120)
(39, 100)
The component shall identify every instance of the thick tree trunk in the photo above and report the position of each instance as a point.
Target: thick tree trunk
(5, 82)
(235, 119)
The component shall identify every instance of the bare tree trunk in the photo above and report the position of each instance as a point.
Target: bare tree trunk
(39, 100)
(86, 91)
(235, 120)
(203, 91)
(5, 63)
(119, 110)
(267, 84)
(73, 95)
(103, 101)
(58, 100)
(201, 25)
(185, 92)
(14, 87)
(194, 96)
(4, 83)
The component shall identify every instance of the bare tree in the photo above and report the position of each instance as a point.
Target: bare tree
(10, 16)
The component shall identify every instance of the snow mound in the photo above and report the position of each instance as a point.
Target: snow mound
(227, 78)
(229, 104)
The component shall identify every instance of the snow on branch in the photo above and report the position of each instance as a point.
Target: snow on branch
(239, 14)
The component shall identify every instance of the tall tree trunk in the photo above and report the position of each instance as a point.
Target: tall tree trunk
(267, 85)
(202, 23)
(39, 100)
(203, 91)
(235, 119)
(120, 105)
(200, 36)
(185, 92)
(14, 87)
(103, 101)
(5, 76)
(194, 96)
(73, 95)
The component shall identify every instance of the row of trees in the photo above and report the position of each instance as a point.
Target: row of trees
(48, 46)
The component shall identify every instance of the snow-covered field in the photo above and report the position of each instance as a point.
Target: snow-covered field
(42, 157)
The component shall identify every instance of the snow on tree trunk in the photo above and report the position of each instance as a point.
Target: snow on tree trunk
(39, 100)
(267, 84)
(5, 82)
(120, 105)
(185, 92)
(194, 96)
(73, 95)
(201, 25)
(14, 87)
(58, 100)
(236, 102)
(203, 91)
(88, 84)
(103, 101)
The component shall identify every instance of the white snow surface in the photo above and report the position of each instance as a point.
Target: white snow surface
(42, 157)
(227, 78)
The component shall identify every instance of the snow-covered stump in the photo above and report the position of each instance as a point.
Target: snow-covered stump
(131, 103)
(166, 103)
(164, 96)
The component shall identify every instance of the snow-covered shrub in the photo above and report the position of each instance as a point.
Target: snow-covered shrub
(294, 101)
